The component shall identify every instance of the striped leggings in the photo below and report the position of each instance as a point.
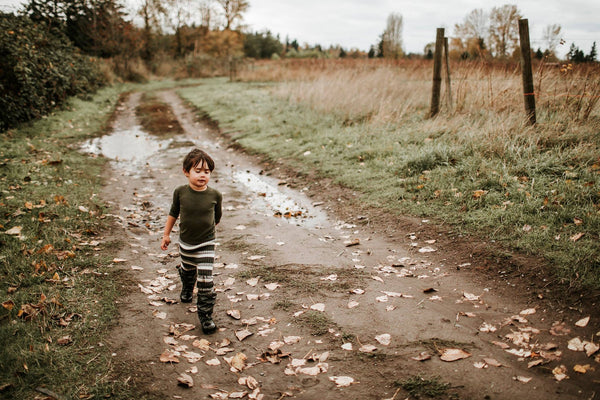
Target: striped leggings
(199, 257)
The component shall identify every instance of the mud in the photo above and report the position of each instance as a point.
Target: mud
(367, 278)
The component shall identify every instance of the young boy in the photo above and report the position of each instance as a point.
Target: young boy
(199, 210)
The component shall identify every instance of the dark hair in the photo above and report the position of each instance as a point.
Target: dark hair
(196, 157)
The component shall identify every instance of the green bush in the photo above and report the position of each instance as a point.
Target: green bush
(39, 70)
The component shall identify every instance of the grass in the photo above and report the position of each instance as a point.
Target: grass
(317, 322)
(479, 168)
(418, 386)
(306, 278)
(58, 295)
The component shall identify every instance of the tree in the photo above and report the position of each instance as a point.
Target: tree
(392, 37)
(575, 54)
(472, 33)
(232, 11)
(593, 54)
(504, 29)
(262, 45)
(179, 15)
(151, 12)
(551, 37)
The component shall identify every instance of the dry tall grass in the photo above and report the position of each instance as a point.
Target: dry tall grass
(391, 92)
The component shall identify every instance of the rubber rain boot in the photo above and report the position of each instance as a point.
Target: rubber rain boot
(206, 303)
(188, 282)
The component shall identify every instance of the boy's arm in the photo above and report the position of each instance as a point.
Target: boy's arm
(166, 239)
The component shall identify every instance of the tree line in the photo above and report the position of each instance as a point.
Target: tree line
(495, 34)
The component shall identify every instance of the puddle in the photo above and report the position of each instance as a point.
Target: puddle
(271, 199)
(131, 148)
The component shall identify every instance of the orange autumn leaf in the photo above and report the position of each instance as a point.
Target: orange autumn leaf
(9, 305)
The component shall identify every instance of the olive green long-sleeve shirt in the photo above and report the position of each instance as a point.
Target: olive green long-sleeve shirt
(198, 213)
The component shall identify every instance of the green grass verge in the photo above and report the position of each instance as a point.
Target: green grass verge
(57, 293)
(536, 196)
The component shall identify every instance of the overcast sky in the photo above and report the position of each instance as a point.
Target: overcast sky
(358, 23)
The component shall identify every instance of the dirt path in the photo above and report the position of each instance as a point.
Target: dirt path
(320, 309)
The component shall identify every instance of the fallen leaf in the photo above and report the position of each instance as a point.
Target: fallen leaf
(235, 314)
(423, 356)
(253, 282)
(291, 339)
(8, 304)
(347, 346)
(353, 242)
(528, 311)
(453, 355)
(582, 369)
(583, 322)
(560, 373)
(237, 395)
(276, 344)
(535, 363)
(577, 236)
(243, 334)
(159, 314)
(575, 344)
(367, 348)
(170, 340)
(272, 286)
(169, 356)
(427, 249)
(385, 339)
(191, 356)
(318, 307)
(342, 381)
(202, 344)
(590, 348)
(238, 362)
(185, 380)
(357, 291)
(480, 365)
(213, 362)
(523, 379)
(492, 362)
(15, 230)
(470, 296)
(559, 329)
(65, 340)
(352, 304)
(248, 381)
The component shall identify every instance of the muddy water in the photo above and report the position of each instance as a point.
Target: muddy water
(132, 149)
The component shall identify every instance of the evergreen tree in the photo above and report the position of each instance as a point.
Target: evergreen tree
(593, 54)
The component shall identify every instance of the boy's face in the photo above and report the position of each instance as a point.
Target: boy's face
(198, 176)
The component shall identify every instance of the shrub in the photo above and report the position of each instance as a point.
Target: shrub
(39, 70)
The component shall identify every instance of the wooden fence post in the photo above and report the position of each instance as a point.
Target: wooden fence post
(437, 73)
(526, 70)
(448, 83)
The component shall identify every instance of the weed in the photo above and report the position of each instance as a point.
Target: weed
(306, 278)
(318, 322)
(418, 386)
(284, 305)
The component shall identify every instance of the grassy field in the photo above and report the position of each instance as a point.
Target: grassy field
(477, 166)
(58, 287)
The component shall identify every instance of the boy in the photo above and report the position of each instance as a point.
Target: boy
(199, 209)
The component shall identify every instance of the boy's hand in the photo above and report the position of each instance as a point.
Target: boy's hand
(166, 240)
